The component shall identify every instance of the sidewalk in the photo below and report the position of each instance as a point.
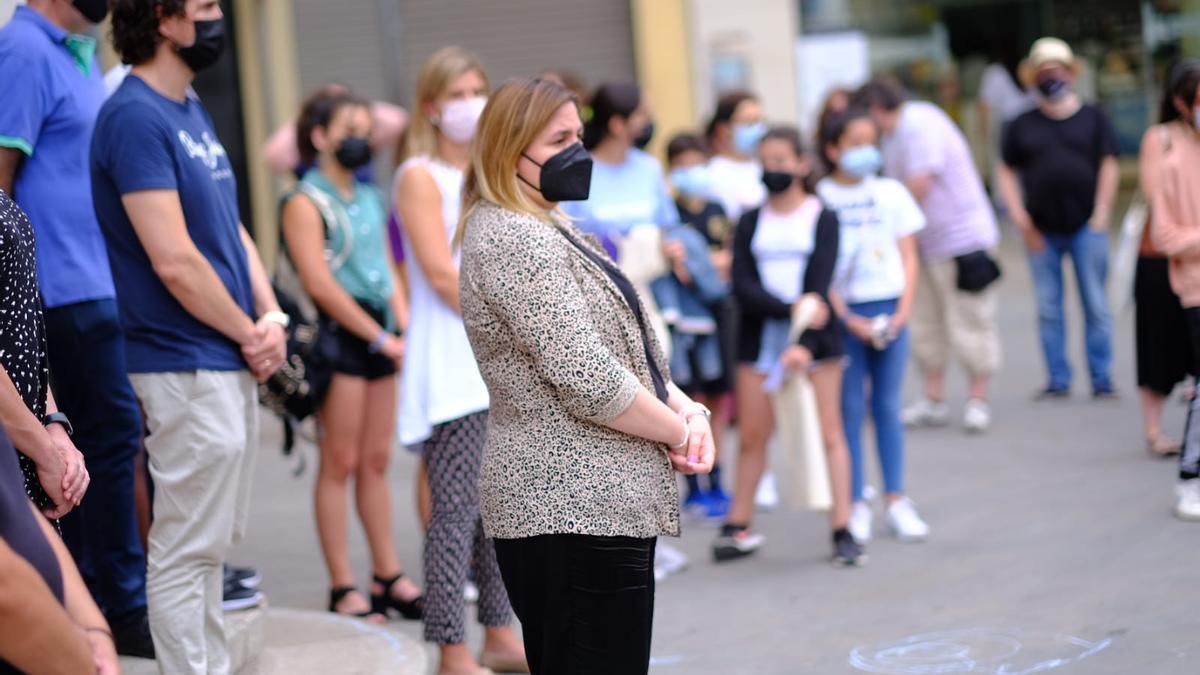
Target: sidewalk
(1053, 532)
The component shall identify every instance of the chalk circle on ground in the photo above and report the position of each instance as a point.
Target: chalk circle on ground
(975, 650)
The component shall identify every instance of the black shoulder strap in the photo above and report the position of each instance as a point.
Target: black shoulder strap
(660, 385)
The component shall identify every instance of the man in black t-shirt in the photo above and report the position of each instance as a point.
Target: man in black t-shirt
(1059, 181)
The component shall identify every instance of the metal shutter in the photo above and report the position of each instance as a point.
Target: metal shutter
(341, 42)
(593, 38)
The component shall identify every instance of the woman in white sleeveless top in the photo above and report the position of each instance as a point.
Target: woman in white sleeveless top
(444, 402)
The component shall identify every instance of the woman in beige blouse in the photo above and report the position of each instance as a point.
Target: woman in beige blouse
(586, 430)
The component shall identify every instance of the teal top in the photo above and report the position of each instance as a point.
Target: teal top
(366, 272)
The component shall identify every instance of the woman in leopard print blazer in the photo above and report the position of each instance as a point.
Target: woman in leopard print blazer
(586, 431)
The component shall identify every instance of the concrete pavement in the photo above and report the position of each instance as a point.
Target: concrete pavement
(1052, 538)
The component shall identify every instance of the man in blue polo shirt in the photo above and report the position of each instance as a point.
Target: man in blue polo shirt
(201, 321)
(52, 89)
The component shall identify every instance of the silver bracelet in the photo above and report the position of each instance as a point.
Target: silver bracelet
(687, 436)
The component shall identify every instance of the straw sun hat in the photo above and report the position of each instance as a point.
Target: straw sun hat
(1047, 51)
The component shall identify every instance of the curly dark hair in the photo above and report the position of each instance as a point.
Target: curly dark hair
(135, 26)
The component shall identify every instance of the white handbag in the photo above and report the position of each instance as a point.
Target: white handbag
(799, 428)
(1126, 254)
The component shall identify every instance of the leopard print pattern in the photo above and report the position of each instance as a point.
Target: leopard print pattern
(561, 353)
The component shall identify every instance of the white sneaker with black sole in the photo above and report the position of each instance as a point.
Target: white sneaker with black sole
(736, 542)
(904, 521)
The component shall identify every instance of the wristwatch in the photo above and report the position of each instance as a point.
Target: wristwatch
(59, 418)
(278, 317)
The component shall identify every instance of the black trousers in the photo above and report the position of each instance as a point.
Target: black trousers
(586, 604)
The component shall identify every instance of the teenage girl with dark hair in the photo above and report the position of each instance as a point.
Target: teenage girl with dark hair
(784, 251)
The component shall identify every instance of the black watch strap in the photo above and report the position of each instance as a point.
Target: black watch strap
(58, 418)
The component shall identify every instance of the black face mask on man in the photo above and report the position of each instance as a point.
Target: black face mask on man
(1052, 88)
(777, 181)
(565, 177)
(92, 10)
(643, 139)
(353, 152)
(210, 42)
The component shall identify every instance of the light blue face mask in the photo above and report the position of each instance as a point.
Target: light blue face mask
(747, 136)
(694, 181)
(862, 161)
(1196, 117)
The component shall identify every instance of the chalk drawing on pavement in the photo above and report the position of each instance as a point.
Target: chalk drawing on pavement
(975, 650)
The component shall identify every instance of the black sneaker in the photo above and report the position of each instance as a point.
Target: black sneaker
(1052, 392)
(736, 541)
(238, 598)
(246, 576)
(846, 551)
(1105, 393)
(131, 635)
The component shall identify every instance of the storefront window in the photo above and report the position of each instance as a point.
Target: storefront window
(941, 49)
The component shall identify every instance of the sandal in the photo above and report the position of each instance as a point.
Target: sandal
(1161, 446)
(336, 595)
(381, 603)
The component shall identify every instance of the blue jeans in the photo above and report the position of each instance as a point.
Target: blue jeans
(885, 372)
(87, 373)
(1089, 256)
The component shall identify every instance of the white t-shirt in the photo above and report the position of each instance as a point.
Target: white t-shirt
(873, 216)
(736, 185)
(782, 246)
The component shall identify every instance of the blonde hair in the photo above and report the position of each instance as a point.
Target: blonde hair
(515, 114)
(437, 74)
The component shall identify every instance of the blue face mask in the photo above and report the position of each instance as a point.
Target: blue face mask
(862, 161)
(1196, 117)
(694, 181)
(747, 136)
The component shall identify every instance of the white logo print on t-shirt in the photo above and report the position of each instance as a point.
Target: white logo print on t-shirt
(209, 150)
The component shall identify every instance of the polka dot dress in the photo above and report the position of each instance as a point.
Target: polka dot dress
(22, 332)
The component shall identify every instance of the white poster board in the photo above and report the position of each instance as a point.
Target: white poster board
(825, 61)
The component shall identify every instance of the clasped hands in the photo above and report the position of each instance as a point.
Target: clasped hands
(697, 453)
(266, 350)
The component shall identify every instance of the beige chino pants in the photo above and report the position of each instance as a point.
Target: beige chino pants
(202, 442)
(948, 322)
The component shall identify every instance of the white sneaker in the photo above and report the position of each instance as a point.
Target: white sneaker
(977, 416)
(1187, 504)
(905, 522)
(668, 560)
(926, 413)
(860, 522)
(766, 497)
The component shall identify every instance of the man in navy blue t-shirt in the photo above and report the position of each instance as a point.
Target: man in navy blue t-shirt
(201, 321)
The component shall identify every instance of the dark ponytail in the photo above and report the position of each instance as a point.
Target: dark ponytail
(611, 100)
(1182, 81)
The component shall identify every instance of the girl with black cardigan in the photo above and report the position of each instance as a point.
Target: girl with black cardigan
(783, 251)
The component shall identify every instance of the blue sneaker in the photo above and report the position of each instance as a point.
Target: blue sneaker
(697, 505)
(718, 504)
